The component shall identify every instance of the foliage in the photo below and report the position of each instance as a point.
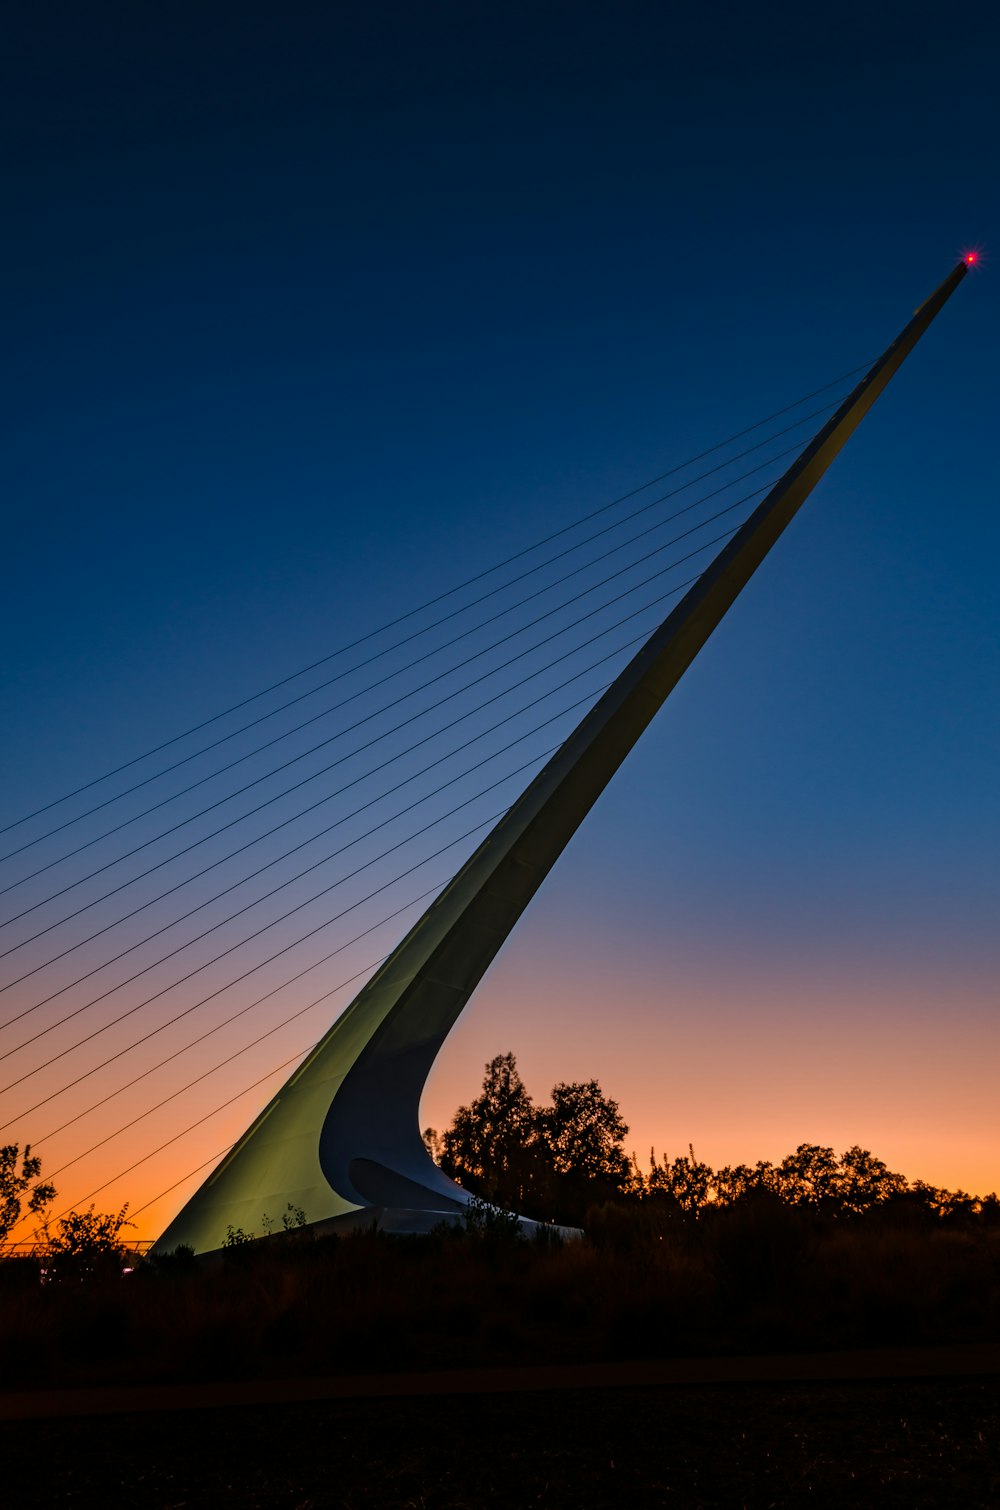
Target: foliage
(491, 1224)
(734, 1182)
(555, 1162)
(87, 1245)
(491, 1145)
(238, 1244)
(649, 1280)
(583, 1132)
(536, 1159)
(955, 1207)
(293, 1219)
(808, 1177)
(815, 1251)
(812, 1178)
(686, 1181)
(19, 1178)
(237, 1237)
(864, 1181)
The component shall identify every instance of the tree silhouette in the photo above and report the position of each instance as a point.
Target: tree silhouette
(19, 1178)
(809, 1177)
(584, 1133)
(548, 1162)
(87, 1245)
(736, 1182)
(492, 1144)
(865, 1181)
(555, 1162)
(687, 1180)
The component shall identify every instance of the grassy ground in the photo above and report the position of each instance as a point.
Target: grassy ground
(763, 1283)
(763, 1280)
(924, 1444)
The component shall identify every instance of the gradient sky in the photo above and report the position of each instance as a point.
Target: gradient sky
(314, 310)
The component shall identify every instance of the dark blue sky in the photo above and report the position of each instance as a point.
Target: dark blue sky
(312, 310)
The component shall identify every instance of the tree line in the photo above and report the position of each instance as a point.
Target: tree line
(554, 1162)
(558, 1162)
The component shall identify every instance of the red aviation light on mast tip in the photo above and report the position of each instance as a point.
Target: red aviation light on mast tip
(973, 257)
(970, 259)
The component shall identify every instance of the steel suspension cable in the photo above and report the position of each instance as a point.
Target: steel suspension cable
(242, 1012)
(251, 875)
(260, 964)
(212, 1159)
(427, 655)
(28, 1111)
(359, 723)
(418, 660)
(177, 1054)
(232, 916)
(355, 812)
(206, 1074)
(324, 859)
(177, 1136)
(218, 1027)
(102, 996)
(187, 1011)
(487, 702)
(240, 943)
(215, 1068)
(441, 597)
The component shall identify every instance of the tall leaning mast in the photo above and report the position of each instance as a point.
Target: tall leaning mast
(341, 1139)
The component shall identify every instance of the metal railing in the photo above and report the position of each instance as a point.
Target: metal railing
(37, 1248)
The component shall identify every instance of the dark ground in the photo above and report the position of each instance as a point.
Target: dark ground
(919, 1443)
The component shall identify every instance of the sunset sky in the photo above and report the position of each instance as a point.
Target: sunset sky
(315, 311)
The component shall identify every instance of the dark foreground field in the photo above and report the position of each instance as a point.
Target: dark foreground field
(911, 1443)
(757, 1281)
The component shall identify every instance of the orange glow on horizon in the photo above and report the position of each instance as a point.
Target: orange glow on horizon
(744, 1055)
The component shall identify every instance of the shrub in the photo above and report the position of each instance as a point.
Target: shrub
(87, 1246)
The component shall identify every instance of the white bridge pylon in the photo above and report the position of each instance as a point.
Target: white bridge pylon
(341, 1139)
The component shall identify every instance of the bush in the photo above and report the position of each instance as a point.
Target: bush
(88, 1246)
(758, 1246)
